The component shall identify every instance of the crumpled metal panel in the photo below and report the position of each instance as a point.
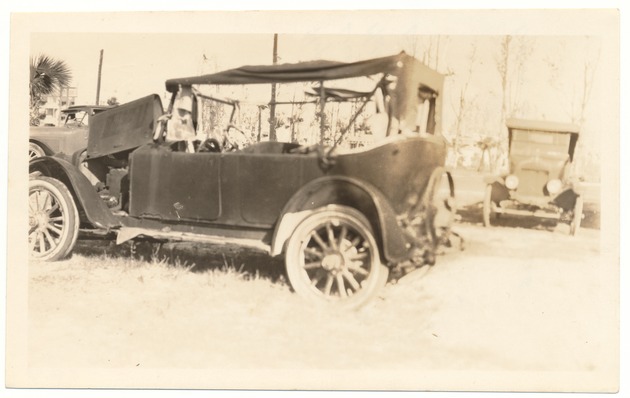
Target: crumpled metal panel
(125, 127)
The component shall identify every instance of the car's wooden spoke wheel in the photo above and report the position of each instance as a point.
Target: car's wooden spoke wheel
(53, 219)
(333, 257)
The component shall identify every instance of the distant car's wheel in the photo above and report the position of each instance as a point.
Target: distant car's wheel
(487, 206)
(578, 209)
(35, 151)
(53, 219)
(333, 258)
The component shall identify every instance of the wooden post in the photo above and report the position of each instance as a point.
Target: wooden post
(272, 105)
(98, 81)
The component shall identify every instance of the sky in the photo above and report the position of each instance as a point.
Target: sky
(137, 64)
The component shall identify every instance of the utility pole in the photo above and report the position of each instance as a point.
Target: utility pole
(98, 81)
(272, 105)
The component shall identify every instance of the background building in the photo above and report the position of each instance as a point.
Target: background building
(55, 103)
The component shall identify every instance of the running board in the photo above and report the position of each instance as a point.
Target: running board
(128, 233)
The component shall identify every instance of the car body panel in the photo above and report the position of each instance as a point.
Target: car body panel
(125, 127)
(70, 137)
(251, 188)
(340, 190)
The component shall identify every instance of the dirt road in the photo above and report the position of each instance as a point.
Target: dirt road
(519, 301)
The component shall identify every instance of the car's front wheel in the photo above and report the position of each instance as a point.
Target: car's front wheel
(53, 219)
(333, 258)
(35, 151)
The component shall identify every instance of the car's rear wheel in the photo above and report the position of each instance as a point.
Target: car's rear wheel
(578, 210)
(333, 258)
(53, 219)
(35, 151)
(487, 206)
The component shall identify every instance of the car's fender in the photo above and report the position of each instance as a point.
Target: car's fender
(47, 150)
(490, 179)
(339, 190)
(566, 199)
(499, 190)
(92, 209)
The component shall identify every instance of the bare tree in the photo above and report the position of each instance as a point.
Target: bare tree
(429, 49)
(577, 95)
(463, 102)
(572, 67)
(584, 88)
(510, 61)
(296, 118)
(514, 52)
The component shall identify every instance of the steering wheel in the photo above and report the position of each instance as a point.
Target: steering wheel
(210, 145)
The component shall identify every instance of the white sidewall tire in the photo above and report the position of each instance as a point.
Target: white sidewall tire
(294, 258)
(70, 218)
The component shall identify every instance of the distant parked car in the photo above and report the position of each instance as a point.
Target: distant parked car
(539, 182)
(67, 139)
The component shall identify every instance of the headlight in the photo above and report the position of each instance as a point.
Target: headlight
(511, 181)
(554, 186)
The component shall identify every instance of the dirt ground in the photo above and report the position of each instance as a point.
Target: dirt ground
(514, 300)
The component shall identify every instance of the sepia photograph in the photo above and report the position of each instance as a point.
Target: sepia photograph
(374, 200)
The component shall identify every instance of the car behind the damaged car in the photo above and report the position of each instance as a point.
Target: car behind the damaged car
(540, 182)
(69, 138)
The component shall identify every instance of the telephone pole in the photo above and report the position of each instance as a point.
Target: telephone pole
(272, 105)
(98, 81)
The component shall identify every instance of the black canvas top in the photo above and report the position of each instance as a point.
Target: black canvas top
(320, 70)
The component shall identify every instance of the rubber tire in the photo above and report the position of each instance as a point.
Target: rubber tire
(578, 209)
(35, 151)
(487, 206)
(70, 216)
(294, 258)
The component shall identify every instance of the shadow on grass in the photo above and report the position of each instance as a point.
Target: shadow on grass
(196, 257)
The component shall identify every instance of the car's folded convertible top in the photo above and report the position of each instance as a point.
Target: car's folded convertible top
(410, 75)
(320, 70)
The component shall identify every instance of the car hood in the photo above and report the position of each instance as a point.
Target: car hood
(50, 131)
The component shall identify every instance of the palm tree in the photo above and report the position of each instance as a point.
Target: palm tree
(46, 76)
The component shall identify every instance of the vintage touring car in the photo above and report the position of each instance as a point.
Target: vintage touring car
(342, 217)
(539, 182)
(69, 138)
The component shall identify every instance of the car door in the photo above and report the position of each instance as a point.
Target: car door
(265, 183)
(175, 186)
